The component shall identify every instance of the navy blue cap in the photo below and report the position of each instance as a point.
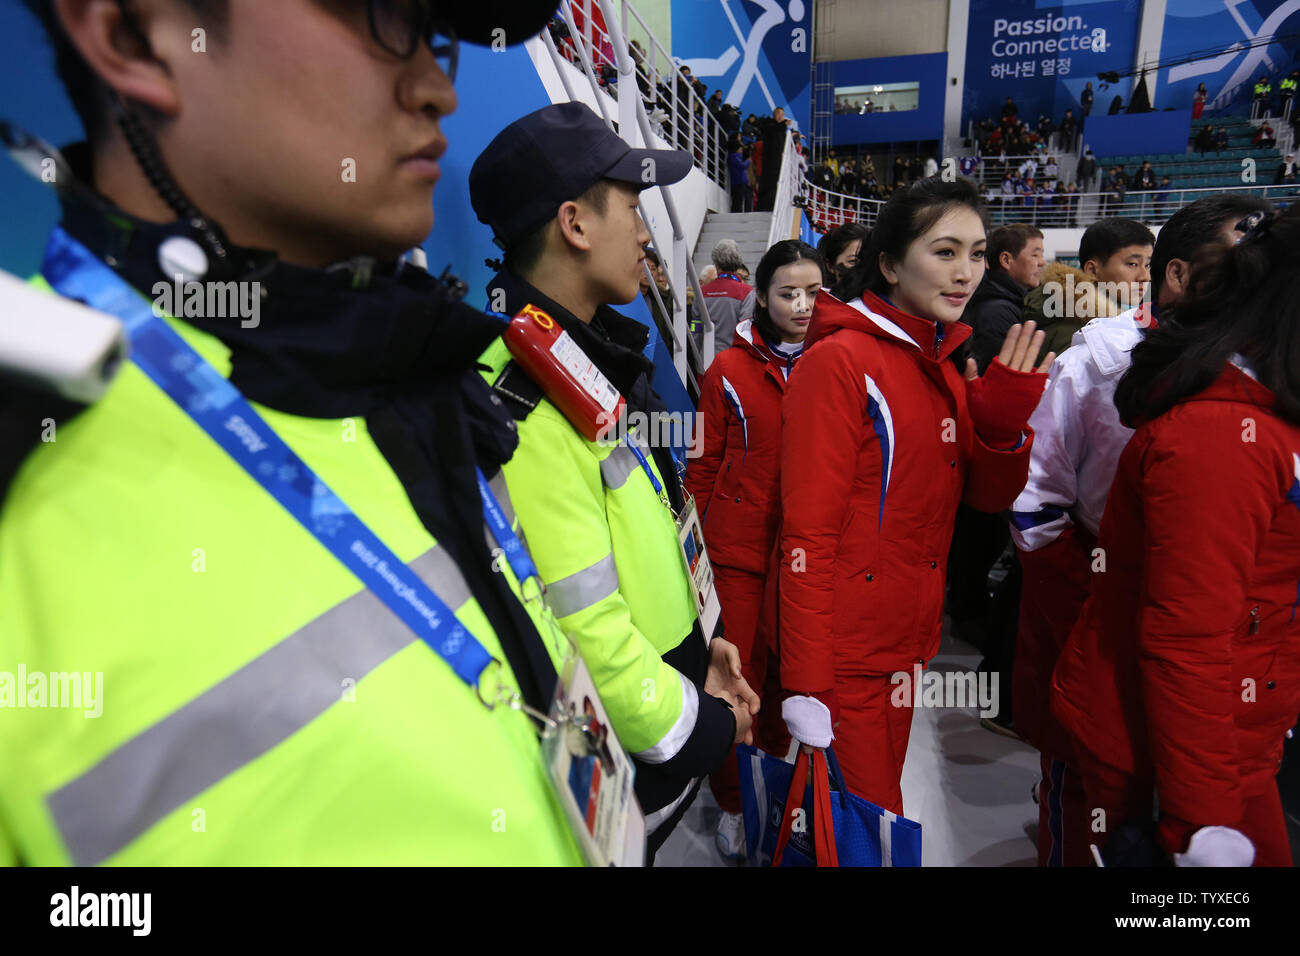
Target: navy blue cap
(554, 155)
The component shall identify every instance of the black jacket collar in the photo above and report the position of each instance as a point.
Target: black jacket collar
(614, 342)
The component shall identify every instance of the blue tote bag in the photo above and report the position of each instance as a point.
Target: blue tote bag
(861, 833)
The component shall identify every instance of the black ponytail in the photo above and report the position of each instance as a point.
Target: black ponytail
(1241, 300)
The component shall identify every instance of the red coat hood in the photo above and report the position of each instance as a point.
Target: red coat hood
(875, 316)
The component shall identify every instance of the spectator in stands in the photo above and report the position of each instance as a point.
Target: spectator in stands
(1265, 138)
(657, 276)
(1156, 688)
(1198, 100)
(1073, 205)
(1205, 139)
(1063, 204)
(738, 168)
(823, 177)
(1086, 171)
(931, 167)
(1221, 140)
(1015, 261)
(1085, 98)
(866, 603)
(840, 249)
(1069, 130)
(1010, 186)
(848, 177)
(1051, 170)
(736, 482)
(773, 130)
(1045, 128)
(1115, 188)
(729, 299)
(1145, 178)
(1286, 170)
(1028, 168)
(900, 171)
(1116, 258)
(1078, 438)
(715, 103)
(1162, 197)
(1010, 110)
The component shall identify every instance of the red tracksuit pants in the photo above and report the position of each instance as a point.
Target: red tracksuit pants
(871, 737)
(745, 602)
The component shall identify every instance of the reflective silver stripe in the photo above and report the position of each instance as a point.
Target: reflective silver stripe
(655, 820)
(618, 467)
(621, 463)
(498, 486)
(680, 732)
(584, 588)
(234, 722)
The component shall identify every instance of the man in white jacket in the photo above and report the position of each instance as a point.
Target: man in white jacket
(1055, 521)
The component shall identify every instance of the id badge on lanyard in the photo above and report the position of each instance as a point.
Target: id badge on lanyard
(591, 772)
(690, 541)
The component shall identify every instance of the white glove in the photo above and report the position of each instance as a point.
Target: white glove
(1217, 846)
(808, 720)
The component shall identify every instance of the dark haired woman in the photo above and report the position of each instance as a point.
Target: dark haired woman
(1198, 101)
(841, 248)
(1182, 677)
(735, 480)
(882, 436)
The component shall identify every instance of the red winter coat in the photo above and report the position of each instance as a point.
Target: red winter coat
(877, 451)
(735, 480)
(1197, 608)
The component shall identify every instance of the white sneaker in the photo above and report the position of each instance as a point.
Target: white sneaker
(730, 838)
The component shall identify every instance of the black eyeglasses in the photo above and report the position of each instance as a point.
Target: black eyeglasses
(399, 26)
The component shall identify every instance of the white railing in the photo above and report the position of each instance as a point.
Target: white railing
(827, 209)
(681, 118)
(1154, 207)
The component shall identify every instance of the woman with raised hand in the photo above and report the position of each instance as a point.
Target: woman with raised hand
(883, 433)
(736, 482)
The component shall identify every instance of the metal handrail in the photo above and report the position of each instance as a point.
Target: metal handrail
(828, 208)
(700, 135)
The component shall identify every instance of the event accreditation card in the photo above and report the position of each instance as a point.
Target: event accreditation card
(698, 568)
(592, 774)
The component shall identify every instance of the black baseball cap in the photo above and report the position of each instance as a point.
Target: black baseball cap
(476, 22)
(554, 155)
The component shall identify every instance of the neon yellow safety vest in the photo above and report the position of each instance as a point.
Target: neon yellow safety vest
(607, 548)
(242, 699)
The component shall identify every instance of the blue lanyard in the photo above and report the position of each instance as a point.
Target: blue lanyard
(649, 472)
(221, 411)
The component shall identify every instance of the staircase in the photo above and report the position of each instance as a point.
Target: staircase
(749, 229)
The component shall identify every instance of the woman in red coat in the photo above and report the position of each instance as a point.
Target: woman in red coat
(735, 479)
(883, 434)
(1179, 682)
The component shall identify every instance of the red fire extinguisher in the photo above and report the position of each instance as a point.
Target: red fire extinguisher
(560, 367)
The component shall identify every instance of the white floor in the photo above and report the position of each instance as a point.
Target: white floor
(968, 787)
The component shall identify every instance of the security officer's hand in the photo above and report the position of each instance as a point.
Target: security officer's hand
(726, 681)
